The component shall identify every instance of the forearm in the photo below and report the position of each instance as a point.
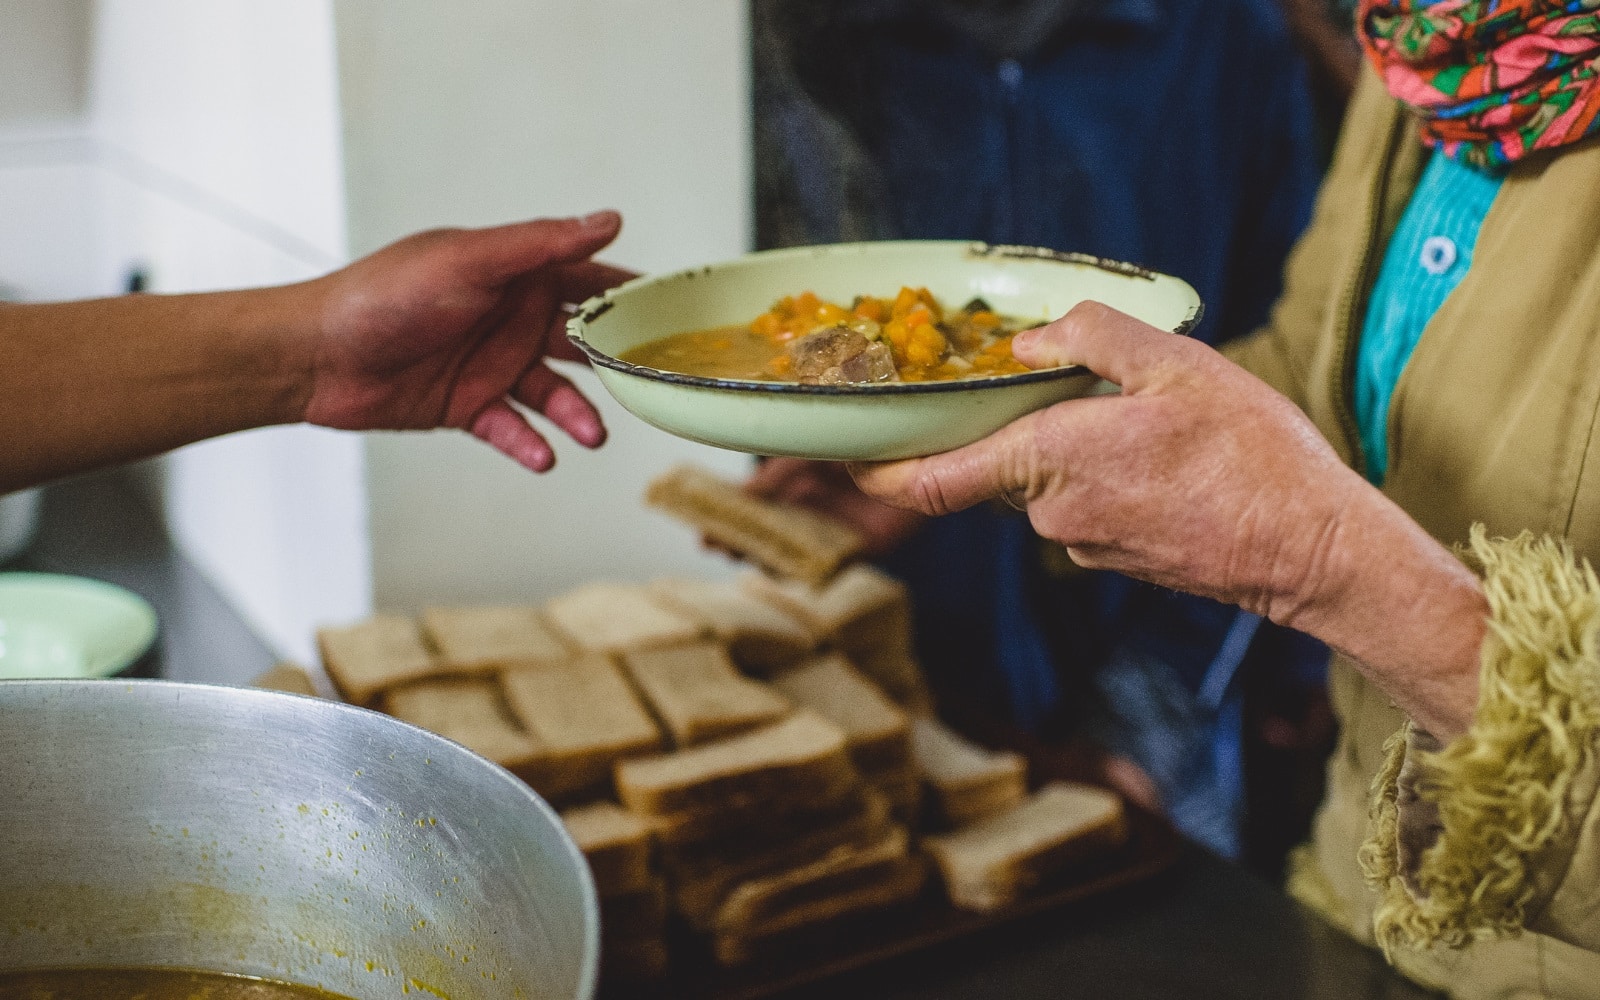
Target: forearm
(98, 382)
(1400, 604)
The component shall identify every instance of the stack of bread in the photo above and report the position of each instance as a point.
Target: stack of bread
(756, 756)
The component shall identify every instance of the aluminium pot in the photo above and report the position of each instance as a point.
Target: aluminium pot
(150, 823)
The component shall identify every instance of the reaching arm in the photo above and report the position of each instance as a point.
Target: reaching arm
(443, 329)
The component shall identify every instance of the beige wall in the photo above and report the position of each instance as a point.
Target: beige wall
(43, 49)
(503, 109)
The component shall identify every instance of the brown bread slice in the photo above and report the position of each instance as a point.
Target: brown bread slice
(792, 757)
(788, 540)
(615, 617)
(989, 864)
(484, 639)
(585, 716)
(848, 880)
(472, 712)
(760, 636)
(761, 819)
(287, 677)
(967, 781)
(368, 658)
(878, 731)
(697, 692)
(704, 874)
(857, 608)
(616, 843)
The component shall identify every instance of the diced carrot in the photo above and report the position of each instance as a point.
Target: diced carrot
(926, 298)
(806, 303)
(830, 313)
(918, 316)
(984, 318)
(767, 325)
(871, 308)
(904, 302)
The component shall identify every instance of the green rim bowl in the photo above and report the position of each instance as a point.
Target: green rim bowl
(850, 423)
(54, 626)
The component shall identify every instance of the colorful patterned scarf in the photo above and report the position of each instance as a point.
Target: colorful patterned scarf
(1494, 80)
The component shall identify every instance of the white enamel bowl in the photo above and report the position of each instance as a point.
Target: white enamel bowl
(858, 422)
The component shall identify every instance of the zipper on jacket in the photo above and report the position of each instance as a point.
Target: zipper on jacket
(1355, 298)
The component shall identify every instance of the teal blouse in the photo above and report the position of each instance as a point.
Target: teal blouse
(1428, 256)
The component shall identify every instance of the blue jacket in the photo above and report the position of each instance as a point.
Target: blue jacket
(1173, 133)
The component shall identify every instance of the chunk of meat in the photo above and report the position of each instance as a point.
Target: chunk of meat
(836, 355)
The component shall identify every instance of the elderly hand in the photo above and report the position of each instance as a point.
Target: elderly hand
(1199, 477)
(448, 328)
(827, 487)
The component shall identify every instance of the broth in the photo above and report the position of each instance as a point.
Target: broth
(908, 338)
(147, 984)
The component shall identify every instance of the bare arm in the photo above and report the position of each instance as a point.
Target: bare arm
(442, 329)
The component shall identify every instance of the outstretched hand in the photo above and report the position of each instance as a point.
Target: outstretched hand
(449, 328)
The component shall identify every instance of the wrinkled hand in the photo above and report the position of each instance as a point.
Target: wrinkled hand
(1197, 477)
(1201, 478)
(448, 328)
(828, 488)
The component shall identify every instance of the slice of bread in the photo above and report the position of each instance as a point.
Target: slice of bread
(795, 757)
(788, 540)
(616, 843)
(991, 863)
(703, 874)
(586, 717)
(472, 712)
(879, 733)
(857, 608)
(615, 617)
(484, 639)
(697, 692)
(753, 818)
(850, 879)
(760, 636)
(967, 781)
(368, 658)
(288, 677)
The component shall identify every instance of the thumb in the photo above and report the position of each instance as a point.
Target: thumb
(499, 254)
(1109, 343)
(1000, 464)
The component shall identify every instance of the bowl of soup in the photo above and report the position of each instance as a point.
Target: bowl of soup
(164, 840)
(857, 351)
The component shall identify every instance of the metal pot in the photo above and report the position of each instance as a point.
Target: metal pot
(149, 823)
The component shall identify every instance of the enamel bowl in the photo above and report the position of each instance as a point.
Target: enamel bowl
(874, 422)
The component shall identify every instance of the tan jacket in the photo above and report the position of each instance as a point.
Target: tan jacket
(1493, 422)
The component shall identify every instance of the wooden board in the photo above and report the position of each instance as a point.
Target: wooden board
(1151, 848)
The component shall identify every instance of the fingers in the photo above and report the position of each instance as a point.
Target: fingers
(494, 256)
(776, 478)
(588, 278)
(545, 391)
(943, 484)
(505, 429)
(1109, 343)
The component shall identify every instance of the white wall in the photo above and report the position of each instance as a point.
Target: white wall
(215, 130)
(503, 109)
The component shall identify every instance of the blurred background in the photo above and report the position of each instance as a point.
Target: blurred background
(175, 145)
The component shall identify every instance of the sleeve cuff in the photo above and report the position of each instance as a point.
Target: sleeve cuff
(1470, 840)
